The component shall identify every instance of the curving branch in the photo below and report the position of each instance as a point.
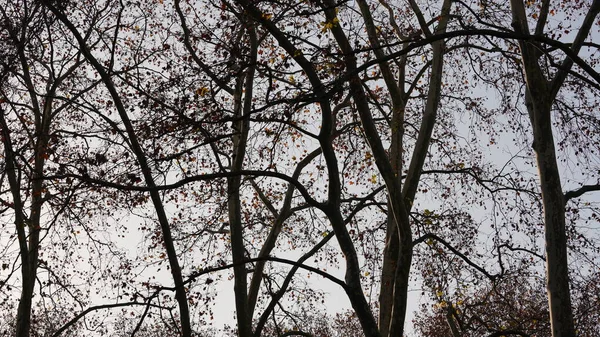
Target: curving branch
(456, 252)
(100, 307)
(581, 191)
(279, 294)
(192, 277)
(187, 180)
(518, 249)
(419, 42)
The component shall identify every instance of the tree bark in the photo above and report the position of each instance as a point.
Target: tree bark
(539, 98)
(391, 251)
(557, 269)
(398, 250)
(27, 254)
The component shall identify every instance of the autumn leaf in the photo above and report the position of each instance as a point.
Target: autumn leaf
(373, 179)
(202, 91)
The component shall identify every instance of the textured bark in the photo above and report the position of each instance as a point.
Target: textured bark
(388, 275)
(557, 270)
(540, 95)
(392, 241)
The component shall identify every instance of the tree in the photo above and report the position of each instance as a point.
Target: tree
(540, 95)
(32, 77)
(267, 143)
(513, 307)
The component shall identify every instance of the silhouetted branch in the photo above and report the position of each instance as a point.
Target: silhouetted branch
(455, 251)
(100, 307)
(580, 191)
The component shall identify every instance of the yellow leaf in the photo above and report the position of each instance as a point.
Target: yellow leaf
(202, 91)
(374, 179)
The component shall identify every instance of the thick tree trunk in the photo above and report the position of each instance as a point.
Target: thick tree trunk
(557, 270)
(388, 275)
(539, 98)
(240, 286)
(28, 274)
(391, 250)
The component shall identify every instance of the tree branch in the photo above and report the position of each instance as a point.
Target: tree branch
(317, 271)
(580, 191)
(455, 251)
(100, 307)
(187, 180)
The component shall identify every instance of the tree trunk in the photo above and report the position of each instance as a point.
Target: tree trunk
(391, 252)
(240, 138)
(180, 291)
(539, 97)
(28, 250)
(29, 246)
(557, 270)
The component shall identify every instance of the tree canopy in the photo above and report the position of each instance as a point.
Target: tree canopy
(158, 156)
